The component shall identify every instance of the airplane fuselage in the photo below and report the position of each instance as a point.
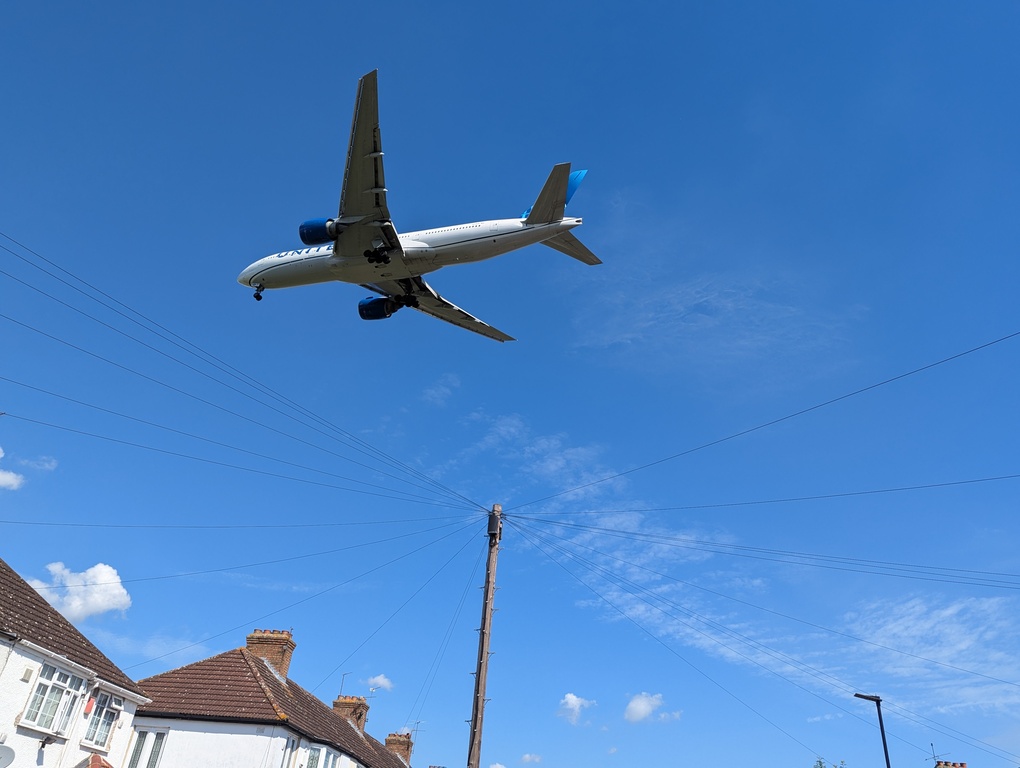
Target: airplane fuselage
(423, 252)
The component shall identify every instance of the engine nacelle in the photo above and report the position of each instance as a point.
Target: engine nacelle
(320, 231)
(377, 309)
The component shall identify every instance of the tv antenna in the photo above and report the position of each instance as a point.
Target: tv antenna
(934, 757)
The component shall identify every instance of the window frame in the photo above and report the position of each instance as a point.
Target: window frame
(70, 689)
(105, 714)
(146, 754)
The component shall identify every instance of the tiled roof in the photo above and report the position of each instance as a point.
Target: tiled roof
(26, 614)
(239, 686)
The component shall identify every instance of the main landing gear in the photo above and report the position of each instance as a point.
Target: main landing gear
(378, 256)
(258, 292)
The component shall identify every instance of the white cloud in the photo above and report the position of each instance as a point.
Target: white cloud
(530, 758)
(440, 392)
(497, 765)
(571, 707)
(642, 706)
(10, 481)
(380, 681)
(79, 595)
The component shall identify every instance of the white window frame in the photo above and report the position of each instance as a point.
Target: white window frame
(313, 757)
(105, 713)
(146, 752)
(54, 698)
(320, 756)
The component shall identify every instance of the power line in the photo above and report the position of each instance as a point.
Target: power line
(224, 569)
(773, 422)
(660, 575)
(217, 443)
(190, 348)
(832, 562)
(791, 499)
(654, 599)
(302, 601)
(223, 464)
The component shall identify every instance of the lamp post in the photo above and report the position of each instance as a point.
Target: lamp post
(881, 726)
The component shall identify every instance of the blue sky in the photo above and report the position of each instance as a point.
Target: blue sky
(794, 202)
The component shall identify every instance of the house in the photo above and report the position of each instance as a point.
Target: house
(63, 704)
(240, 710)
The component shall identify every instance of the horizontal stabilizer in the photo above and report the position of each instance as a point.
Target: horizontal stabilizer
(570, 245)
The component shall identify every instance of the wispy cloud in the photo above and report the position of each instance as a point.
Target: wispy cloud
(163, 651)
(43, 463)
(94, 591)
(10, 481)
(507, 449)
(572, 706)
(528, 757)
(440, 392)
(713, 309)
(973, 634)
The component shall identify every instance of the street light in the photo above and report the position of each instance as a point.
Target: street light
(881, 726)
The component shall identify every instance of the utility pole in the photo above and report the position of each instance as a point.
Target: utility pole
(482, 671)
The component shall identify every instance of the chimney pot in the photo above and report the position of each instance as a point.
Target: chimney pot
(354, 709)
(400, 744)
(275, 646)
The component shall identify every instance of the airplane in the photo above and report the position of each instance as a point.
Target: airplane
(361, 245)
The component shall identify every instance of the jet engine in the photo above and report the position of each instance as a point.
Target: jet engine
(377, 309)
(320, 231)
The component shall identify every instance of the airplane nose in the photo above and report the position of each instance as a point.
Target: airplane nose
(245, 276)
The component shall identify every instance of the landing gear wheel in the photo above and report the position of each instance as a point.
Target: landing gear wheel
(377, 256)
(258, 292)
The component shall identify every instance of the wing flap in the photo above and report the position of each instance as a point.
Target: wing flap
(431, 303)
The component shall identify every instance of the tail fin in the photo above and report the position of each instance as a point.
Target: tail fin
(558, 189)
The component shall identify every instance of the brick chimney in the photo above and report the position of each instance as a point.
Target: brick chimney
(400, 744)
(354, 709)
(275, 646)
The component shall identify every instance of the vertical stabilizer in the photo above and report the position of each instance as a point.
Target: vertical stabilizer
(553, 197)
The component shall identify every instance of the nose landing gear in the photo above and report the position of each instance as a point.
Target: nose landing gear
(258, 292)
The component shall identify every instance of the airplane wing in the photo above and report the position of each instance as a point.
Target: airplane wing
(422, 297)
(363, 208)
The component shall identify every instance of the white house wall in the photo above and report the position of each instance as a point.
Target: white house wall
(19, 672)
(224, 745)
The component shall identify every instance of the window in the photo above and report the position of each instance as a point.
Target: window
(56, 694)
(104, 714)
(147, 749)
(319, 757)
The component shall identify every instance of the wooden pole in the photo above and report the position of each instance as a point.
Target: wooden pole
(482, 670)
